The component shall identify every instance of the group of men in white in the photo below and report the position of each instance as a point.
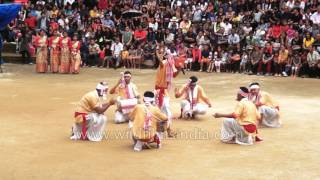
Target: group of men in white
(150, 116)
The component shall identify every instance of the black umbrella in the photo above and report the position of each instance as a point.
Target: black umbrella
(131, 13)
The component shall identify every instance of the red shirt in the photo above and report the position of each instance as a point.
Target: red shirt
(140, 34)
(54, 25)
(276, 31)
(31, 22)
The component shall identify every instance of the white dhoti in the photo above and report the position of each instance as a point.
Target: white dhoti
(166, 109)
(197, 108)
(95, 124)
(233, 132)
(270, 116)
(121, 117)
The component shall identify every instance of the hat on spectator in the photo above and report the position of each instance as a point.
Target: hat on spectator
(174, 19)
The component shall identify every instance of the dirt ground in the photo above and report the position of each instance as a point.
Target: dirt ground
(37, 114)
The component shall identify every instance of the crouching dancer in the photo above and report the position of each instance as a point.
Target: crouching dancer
(89, 116)
(240, 126)
(144, 119)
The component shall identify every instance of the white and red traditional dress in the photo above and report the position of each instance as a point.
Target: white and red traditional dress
(42, 54)
(75, 57)
(54, 44)
(65, 45)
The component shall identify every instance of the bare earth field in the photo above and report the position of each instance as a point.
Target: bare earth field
(37, 113)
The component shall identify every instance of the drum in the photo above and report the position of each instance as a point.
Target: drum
(127, 105)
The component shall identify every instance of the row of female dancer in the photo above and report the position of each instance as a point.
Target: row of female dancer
(64, 53)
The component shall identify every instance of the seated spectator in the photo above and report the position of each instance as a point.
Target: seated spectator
(206, 54)
(151, 36)
(265, 64)
(185, 24)
(313, 59)
(149, 52)
(282, 61)
(308, 41)
(182, 56)
(140, 36)
(233, 38)
(169, 37)
(138, 57)
(107, 56)
(190, 37)
(125, 57)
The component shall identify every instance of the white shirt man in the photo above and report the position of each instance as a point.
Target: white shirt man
(233, 39)
(116, 48)
(227, 28)
(313, 57)
(315, 17)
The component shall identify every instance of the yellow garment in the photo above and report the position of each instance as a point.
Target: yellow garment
(93, 13)
(267, 100)
(54, 13)
(121, 91)
(308, 43)
(87, 104)
(124, 54)
(161, 76)
(283, 56)
(138, 116)
(246, 112)
(201, 95)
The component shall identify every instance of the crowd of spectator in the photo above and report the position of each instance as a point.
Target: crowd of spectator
(263, 37)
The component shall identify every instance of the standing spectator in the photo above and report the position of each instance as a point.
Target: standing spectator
(235, 59)
(244, 62)
(94, 50)
(218, 54)
(255, 58)
(25, 46)
(127, 37)
(116, 49)
(296, 64)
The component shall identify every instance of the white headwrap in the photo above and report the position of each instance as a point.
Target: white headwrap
(102, 86)
(148, 100)
(255, 86)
